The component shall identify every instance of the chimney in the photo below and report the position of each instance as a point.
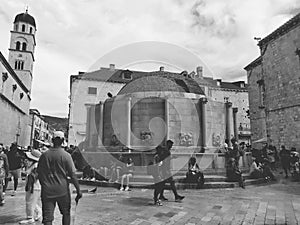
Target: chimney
(219, 81)
(162, 69)
(199, 70)
(80, 72)
(112, 67)
(242, 84)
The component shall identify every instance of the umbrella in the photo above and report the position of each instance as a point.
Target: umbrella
(262, 140)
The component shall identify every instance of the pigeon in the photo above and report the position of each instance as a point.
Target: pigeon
(92, 191)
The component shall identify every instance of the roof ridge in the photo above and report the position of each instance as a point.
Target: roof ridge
(284, 28)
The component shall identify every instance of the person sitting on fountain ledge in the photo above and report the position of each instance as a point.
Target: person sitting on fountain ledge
(194, 175)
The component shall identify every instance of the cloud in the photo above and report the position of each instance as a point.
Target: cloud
(72, 35)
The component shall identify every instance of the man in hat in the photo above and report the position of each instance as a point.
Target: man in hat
(54, 168)
(165, 156)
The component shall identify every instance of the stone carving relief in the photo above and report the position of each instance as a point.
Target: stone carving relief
(216, 140)
(114, 140)
(147, 136)
(186, 139)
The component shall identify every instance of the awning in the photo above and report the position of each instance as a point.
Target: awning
(262, 140)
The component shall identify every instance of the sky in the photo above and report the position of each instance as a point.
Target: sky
(72, 35)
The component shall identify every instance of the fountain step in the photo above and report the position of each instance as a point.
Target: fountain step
(210, 183)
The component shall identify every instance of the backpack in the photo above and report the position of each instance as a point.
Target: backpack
(2, 167)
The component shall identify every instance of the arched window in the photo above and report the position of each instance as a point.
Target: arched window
(19, 65)
(30, 30)
(24, 45)
(23, 28)
(18, 45)
(16, 27)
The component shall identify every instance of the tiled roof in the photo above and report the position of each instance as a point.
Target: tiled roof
(286, 27)
(116, 76)
(209, 81)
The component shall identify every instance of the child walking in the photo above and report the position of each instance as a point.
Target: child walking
(32, 188)
(127, 173)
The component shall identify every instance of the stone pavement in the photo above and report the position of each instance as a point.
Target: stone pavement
(276, 203)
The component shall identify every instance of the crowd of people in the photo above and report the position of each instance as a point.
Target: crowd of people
(49, 172)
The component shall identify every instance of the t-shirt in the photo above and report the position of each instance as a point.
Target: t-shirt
(55, 165)
(14, 160)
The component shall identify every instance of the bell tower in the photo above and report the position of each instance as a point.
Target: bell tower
(22, 45)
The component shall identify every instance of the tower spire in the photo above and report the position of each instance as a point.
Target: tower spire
(26, 11)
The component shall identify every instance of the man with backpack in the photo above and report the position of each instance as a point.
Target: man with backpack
(3, 172)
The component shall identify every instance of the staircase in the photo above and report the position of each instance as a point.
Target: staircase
(146, 181)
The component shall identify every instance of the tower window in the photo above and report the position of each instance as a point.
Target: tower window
(16, 27)
(23, 28)
(19, 65)
(24, 45)
(30, 30)
(18, 45)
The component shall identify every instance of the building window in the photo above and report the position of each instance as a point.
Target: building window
(92, 91)
(23, 28)
(127, 75)
(261, 89)
(24, 45)
(18, 44)
(19, 65)
(16, 27)
(30, 30)
(209, 92)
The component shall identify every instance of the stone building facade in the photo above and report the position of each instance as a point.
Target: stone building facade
(41, 132)
(15, 82)
(158, 106)
(92, 87)
(274, 81)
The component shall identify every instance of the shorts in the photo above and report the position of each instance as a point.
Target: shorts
(48, 207)
(14, 173)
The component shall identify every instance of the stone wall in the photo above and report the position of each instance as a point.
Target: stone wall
(257, 112)
(148, 124)
(277, 116)
(215, 124)
(282, 81)
(14, 108)
(13, 122)
(184, 122)
(79, 97)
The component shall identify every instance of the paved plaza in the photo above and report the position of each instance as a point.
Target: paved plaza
(276, 203)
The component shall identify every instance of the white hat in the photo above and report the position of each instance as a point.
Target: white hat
(59, 134)
(34, 154)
